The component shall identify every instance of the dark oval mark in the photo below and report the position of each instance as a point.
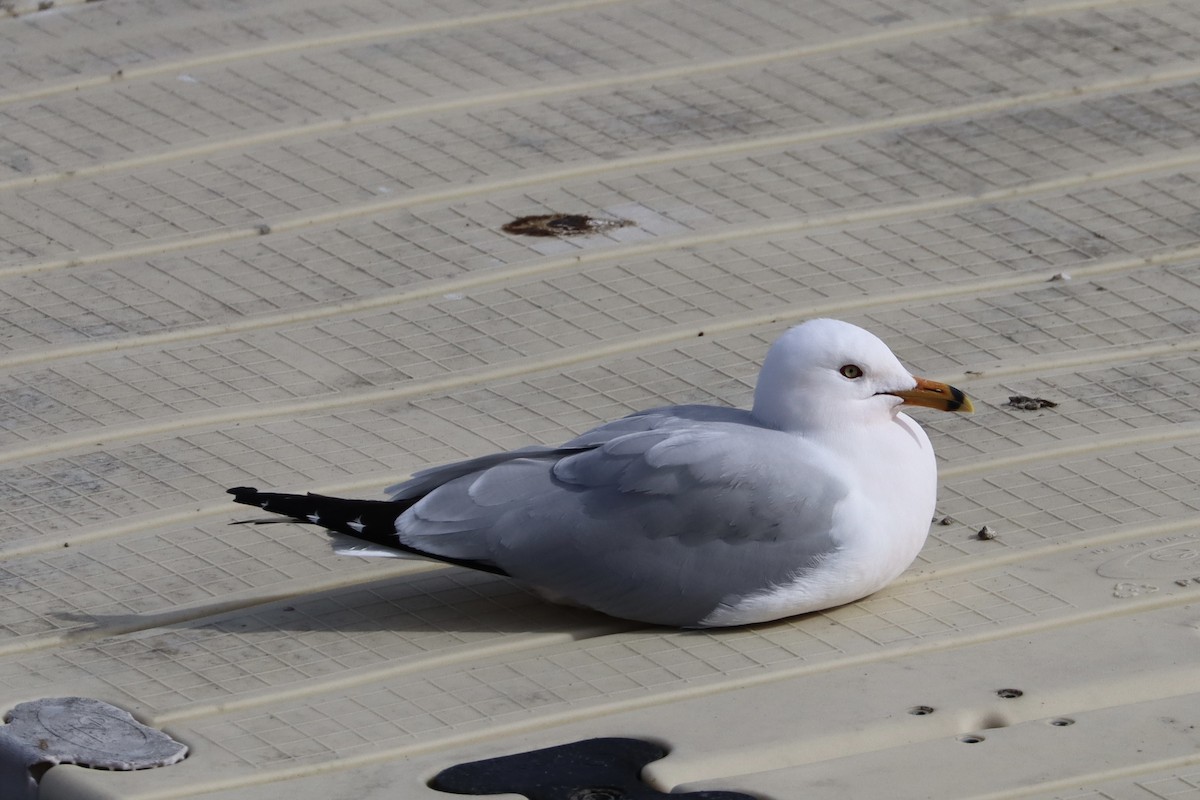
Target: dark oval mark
(1030, 403)
(562, 225)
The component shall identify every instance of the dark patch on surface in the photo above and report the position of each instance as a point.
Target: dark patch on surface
(562, 225)
(594, 769)
(1030, 403)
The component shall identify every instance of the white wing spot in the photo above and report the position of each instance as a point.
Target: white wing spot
(356, 525)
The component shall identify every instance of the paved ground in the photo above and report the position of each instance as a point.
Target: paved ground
(261, 242)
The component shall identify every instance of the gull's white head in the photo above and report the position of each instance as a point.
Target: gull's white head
(825, 374)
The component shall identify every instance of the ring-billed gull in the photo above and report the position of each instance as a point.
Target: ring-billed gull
(693, 515)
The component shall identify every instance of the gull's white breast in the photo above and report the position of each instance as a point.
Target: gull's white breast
(880, 526)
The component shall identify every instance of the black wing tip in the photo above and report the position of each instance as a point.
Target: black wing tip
(379, 515)
(244, 494)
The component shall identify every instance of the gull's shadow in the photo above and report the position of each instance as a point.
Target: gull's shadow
(446, 601)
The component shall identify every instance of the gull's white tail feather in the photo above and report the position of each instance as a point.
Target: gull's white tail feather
(344, 545)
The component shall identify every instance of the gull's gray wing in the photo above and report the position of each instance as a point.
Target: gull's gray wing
(659, 516)
(425, 481)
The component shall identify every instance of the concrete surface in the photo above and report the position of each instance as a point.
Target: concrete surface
(260, 242)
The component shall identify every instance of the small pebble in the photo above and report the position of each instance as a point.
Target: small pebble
(946, 521)
(985, 533)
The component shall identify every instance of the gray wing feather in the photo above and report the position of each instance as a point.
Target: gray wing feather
(426, 480)
(654, 516)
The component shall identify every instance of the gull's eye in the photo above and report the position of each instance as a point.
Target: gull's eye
(851, 371)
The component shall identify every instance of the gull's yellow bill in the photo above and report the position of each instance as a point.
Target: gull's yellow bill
(935, 394)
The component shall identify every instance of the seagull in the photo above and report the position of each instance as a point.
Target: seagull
(691, 516)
